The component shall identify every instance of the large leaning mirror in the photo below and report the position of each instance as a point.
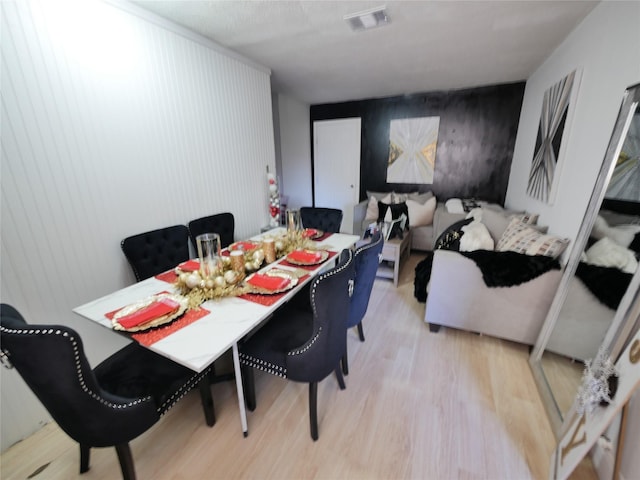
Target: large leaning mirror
(596, 288)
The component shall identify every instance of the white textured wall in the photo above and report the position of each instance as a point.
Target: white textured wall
(606, 45)
(113, 123)
(295, 145)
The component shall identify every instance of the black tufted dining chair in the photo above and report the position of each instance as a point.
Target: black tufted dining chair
(156, 251)
(321, 218)
(304, 345)
(366, 260)
(221, 223)
(108, 406)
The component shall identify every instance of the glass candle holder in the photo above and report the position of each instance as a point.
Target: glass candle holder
(293, 221)
(208, 245)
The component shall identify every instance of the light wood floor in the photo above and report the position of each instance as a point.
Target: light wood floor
(451, 405)
(563, 376)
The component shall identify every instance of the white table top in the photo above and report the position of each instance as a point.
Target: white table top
(198, 344)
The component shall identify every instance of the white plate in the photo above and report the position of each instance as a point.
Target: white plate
(134, 307)
(323, 256)
(274, 272)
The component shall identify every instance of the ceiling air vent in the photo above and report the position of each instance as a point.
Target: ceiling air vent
(374, 17)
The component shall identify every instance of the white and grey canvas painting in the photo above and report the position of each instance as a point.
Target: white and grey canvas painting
(412, 150)
(551, 132)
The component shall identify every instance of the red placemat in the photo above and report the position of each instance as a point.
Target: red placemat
(153, 335)
(305, 267)
(267, 300)
(324, 236)
(169, 276)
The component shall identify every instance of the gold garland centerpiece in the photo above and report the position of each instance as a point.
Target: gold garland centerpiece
(227, 281)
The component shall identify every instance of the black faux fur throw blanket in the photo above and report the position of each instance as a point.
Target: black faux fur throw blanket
(499, 269)
(507, 269)
(608, 284)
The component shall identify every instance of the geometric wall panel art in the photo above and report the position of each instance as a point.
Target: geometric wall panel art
(412, 150)
(625, 180)
(558, 104)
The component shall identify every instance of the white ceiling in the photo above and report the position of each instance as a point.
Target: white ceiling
(430, 45)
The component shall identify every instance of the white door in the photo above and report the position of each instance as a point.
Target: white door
(336, 166)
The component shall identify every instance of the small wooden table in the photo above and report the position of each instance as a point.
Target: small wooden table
(394, 251)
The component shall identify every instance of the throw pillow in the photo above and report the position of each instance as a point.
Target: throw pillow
(497, 221)
(522, 238)
(421, 198)
(621, 234)
(372, 206)
(421, 214)
(607, 253)
(476, 237)
(392, 211)
(454, 205)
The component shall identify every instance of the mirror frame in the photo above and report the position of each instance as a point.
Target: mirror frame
(630, 102)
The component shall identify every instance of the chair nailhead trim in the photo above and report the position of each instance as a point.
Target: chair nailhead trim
(368, 246)
(327, 275)
(263, 365)
(307, 345)
(182, 391)
(76, 353)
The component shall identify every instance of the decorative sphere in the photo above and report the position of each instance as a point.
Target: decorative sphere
(193, 280)
(226, 260)
(258, 256)
(248, 266)
(273, 188)
(231, 277)
(279, 244)
(219, 282)
(209, 283)
(256, 264)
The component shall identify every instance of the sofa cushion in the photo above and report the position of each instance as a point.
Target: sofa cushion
(421, 214)
(522, 238)
(415, 196)
(497, 219)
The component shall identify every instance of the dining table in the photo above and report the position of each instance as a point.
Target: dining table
(201, 335)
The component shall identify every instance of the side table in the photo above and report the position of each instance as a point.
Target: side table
(394, 252)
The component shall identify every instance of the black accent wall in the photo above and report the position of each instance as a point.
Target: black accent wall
(476, 138)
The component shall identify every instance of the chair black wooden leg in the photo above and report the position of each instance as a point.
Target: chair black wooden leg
(126, 461)
(249, 387)
(345, 363)
(207, 401)
(361, 332)
(313, 409)
(85, 454)
(340, 378)
(433, 327)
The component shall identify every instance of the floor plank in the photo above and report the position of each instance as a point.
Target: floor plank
(446, 405)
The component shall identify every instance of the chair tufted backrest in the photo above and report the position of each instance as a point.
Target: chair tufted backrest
(157, 251)
(330, 298)
(221, 223)
(325, 219)
(366, 260)
(51, 360)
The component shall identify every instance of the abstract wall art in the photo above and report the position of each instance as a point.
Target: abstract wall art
(412, 150)
(557, 106)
